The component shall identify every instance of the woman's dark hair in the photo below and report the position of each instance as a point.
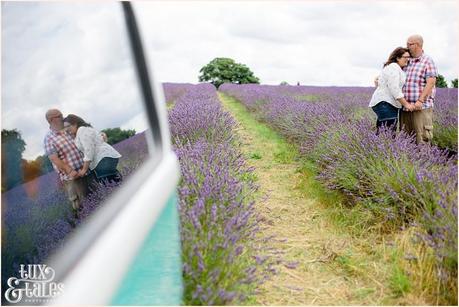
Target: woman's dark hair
(396, 54)
(72, 119)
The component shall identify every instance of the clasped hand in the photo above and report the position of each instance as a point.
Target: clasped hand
(76, 174)
(414, 106)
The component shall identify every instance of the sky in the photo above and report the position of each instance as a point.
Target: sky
(74, 56)
(329, 43)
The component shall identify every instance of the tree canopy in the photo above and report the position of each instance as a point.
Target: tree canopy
(115, 135)
(226, 70)
(441, 82)
(454, 83)
(13, 147)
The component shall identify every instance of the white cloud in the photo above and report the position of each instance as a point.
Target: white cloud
(350, 39)
(74, 55)
(71, 56)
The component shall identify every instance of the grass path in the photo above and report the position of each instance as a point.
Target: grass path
(334, 266)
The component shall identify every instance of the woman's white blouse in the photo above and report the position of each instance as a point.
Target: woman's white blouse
(390, 85)
(94, 149)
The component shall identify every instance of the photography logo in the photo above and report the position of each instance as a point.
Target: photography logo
(34, 286)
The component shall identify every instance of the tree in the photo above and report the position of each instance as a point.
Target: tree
(284, 83)
(454, 83)
(12, 148)
(44, 163)
(115, 135)
(441, 82)
(225, 70)
(30, 170)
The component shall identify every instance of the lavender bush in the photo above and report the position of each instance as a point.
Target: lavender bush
(174, 90)
(396, 179)
(35, 216)
(445, 118)
(218, 222)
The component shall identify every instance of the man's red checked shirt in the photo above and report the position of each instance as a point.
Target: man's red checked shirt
(62, 144)
(417, 71)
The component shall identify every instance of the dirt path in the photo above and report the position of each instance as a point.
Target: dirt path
(333, 267)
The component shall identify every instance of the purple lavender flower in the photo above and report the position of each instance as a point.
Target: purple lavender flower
(216, 211)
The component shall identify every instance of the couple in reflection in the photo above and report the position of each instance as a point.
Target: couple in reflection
(80, 155)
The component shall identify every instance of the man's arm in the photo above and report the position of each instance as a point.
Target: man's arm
(62, 166)
(84, 169)
(427, 91)
(428, 88)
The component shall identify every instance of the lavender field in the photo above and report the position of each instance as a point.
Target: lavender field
(400, 183)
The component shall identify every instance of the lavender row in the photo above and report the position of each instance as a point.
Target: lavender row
(397, 180)
(174, 90)
(218, 221)
(353, 101)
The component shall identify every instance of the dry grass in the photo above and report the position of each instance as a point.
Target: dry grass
(336, 266)
(419, 261)
(303, 233)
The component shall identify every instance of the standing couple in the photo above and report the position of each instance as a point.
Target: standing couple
(79, 155)
(407, 83)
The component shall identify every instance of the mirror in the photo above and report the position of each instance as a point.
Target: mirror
(74, 127)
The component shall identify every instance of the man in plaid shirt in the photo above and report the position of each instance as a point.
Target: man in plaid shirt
(67, 160)
(419, 89)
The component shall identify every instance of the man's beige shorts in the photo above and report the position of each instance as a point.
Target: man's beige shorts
(418, 122)
(76, 191)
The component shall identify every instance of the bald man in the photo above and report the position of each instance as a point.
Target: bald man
(419, 89)
(67, 160)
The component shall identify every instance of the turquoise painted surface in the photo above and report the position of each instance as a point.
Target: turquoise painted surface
(155, 278)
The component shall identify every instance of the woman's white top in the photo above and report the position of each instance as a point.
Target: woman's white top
(94, 149)
(390, 85)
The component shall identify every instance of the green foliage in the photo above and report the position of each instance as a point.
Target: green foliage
(446, 138)
(307, 98)
(284, 83)
(286, 154)
(226, 70)
(116, 135)
(441, 82)
(454, 83)
(12, 148)
(45, 164)
(30, 170)
(35, 168)
(399, 282)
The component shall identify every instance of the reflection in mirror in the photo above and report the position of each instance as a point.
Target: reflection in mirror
(73, 122)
